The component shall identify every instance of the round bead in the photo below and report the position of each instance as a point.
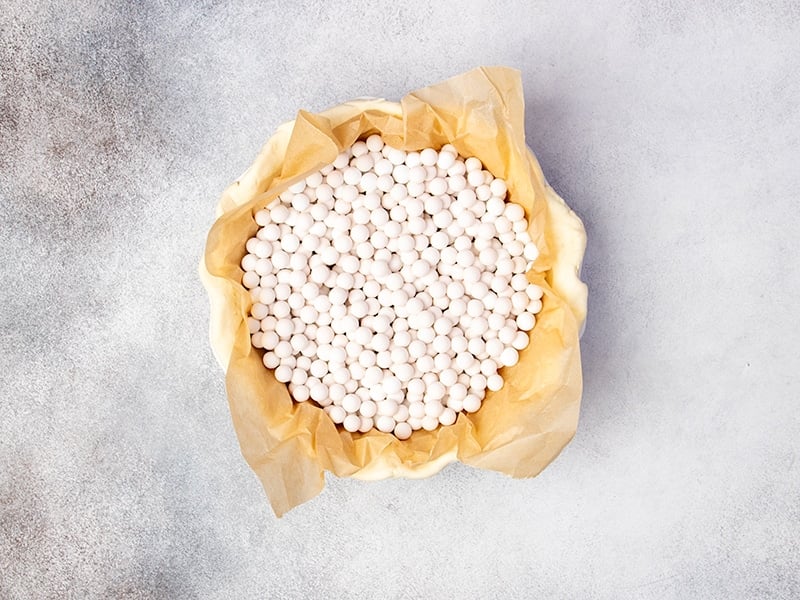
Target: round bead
(336, 413)
(526, 321)
(374, 143)
(416, 410)
(352, 423)
(520, 341)
(351, 403)
(300, 393)
(437, 186)
(385, 423)
(428, 157)
(447, 417)
(509, 357)
(494, 382)
(472, 403)
(498, 188)
(429, 423)
(446, 159)
(402, 431)
(319, 392)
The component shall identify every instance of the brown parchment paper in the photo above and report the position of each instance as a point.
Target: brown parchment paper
(520, 428)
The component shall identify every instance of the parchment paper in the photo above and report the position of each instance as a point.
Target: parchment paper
(520, 429)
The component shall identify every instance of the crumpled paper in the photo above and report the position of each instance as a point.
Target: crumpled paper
(519, 429)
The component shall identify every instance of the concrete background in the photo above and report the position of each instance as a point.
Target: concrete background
(672, 127)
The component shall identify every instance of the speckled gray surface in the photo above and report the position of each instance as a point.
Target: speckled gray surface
(673, 129)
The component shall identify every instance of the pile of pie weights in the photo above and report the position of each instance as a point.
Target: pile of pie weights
(389, 287)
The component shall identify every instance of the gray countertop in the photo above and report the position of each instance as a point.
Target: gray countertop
(672, 129)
